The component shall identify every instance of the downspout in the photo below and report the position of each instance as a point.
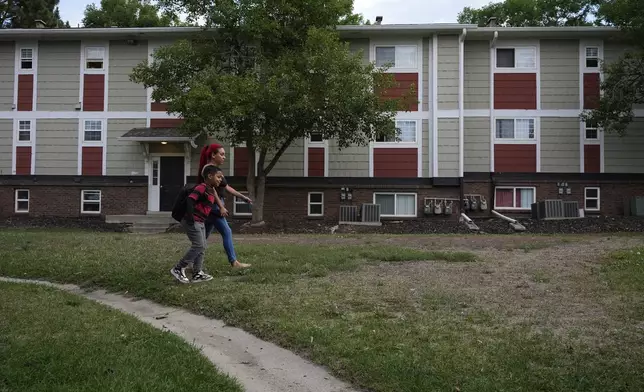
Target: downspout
(461, 112)
(492, 124)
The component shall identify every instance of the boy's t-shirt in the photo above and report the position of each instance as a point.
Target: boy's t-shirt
(204, 198)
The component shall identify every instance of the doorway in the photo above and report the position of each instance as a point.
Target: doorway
(171, 179)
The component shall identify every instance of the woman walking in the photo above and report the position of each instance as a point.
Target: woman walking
(215, 155)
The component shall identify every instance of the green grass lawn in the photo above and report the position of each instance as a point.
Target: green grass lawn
(58, 342)
(343, 308)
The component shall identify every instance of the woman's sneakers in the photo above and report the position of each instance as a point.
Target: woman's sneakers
(201, 277)
(179, 274)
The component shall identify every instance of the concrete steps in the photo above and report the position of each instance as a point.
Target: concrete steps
(151, 223)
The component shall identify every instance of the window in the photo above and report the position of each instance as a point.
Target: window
(517, 129)
(406, 133)
(24, 131)
(240, 207)
(592, 57)
(22, 200)
(592, 133)
(93, 131)
(94, 58)
(316, 138)
(519, 58)
(514, 198)
(316, 204)
(591, 199)
(155, 172)
(402, 56)
(26, 59)
(396, 204)
(90, 202)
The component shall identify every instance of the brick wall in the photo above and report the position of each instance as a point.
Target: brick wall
(66, 200)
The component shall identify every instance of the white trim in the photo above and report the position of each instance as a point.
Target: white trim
(17, 143)
(587, 141)
(582, 127)
(33, 45)
(598, 198)
(461, 104)
(231, 160)
(583, 44)
(148, 103)
(537, 136)
(490, 112)
(514, 197)
(16, 200)
(534, 44)
(396, 194)
(82, 202)
(420, 73)
(309, 203)
(236, 202)
(601, 92)
(537, 61)
(434, 125)
(154, 192)
(371, 159)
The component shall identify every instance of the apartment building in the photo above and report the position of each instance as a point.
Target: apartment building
(497, 120)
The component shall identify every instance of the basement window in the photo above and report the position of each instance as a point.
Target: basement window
(22, 201)
(397, 205)
(240, 207)
(316, 204)
(90, 202)
(591, 199)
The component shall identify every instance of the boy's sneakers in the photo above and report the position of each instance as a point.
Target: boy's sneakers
(201, 277)
(180, 275)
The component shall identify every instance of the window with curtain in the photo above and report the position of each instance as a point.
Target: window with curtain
(406, 133)
(402, 56)
(517, 129)
(514, 198)
(396, 204)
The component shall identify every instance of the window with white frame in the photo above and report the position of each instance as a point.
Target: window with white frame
(316, 138)
(90, 202)
(406, 133)
(397, 56)
(517, 58)
(92, 131)
(240, 207)
(316, 204)
(396, 204)
(591, 199)
(514, 198)
(515, 128)
(22, 201)
(94, 58)
(592, 57)
(26, 59)
(592, 132)
(24, 131)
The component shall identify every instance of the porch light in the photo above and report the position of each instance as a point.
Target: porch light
(164, 142)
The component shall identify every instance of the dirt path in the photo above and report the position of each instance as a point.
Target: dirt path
(258, 365)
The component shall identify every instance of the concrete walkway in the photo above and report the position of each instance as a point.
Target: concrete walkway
(258, 365)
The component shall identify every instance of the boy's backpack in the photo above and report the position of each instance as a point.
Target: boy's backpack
(179, 207)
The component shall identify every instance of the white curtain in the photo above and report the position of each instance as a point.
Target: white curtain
(387, 204)
(526, 57)
(385, 55)
(505, 129)
(406, 56)
(525, 197)
(524, 129)
(407, 130)
(406, 205)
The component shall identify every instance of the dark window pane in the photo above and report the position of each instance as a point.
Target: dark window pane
(505, 58)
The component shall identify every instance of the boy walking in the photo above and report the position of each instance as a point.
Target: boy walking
(198, 206)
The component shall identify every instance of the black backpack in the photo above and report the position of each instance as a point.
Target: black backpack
(179, 207)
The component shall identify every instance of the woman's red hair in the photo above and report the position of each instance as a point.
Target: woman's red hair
(206, 153)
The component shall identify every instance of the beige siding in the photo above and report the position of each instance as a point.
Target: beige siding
(291, 163)
(124, 95)
(58, 75)
(560, 145)
(476, 84)
(196, 154)
(477, 144)
(448, 147)
(612, 53)
(7, 54)
(427, 170)
(356, 45)
(6, 144)
(559, 74)
(124, 158)
(349, 162)
(447, 72)
(625, 154)
(57, 147)
(427, 48)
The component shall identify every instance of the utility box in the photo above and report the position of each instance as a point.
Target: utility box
(548, 209)
(348, 214)
(571, 209)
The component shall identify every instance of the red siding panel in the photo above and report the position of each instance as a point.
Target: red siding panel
(395, 162)
(159, 107)
(92, 161)
(25, 93)
(518, 158)
(316, 161)
(23, 160)
(166, 122)
(515, 91)
(94, 93)
(591, 90)
(592, 158)
(404, 81)
(241, 161)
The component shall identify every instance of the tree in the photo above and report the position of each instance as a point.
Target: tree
(24, 14)
(128, 13)
(524, 13)
(623, 84)
(267, 73)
